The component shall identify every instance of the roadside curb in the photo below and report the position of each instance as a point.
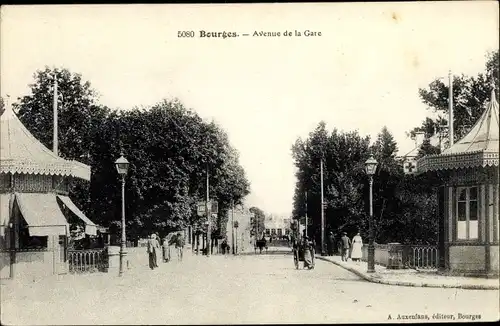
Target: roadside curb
(411, 284)
(270, 252)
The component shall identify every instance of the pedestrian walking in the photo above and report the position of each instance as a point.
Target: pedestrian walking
(308, 247)
(153, 251)
(339, 244)
(166, 251)
(179, 246)
(357, 244)
(346, 245)
(330, 243)
(224, 246)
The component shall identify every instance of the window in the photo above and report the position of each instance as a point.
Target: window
(287, 231)
(273, 231)
(28, 242)
(280, 232)
(268, 232)
(467, 213)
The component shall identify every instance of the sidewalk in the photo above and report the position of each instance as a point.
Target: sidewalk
(411, 277)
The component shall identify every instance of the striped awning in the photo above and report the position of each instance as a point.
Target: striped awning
(21, 152)
(42, 214)
(90, 227)
(477, 149)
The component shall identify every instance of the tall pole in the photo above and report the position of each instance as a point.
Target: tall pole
(256, 220)
(207, 208)
(123, 242)
(306, 215)
(232, 228)
(371, 246)
(54, 107)
(322, 213)
(450, 108)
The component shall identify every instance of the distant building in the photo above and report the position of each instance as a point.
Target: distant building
(409, 160)
(277, 225)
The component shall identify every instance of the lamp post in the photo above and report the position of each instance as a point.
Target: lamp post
(235, 225)
(122, 168)
(370, 168)
(206, 246)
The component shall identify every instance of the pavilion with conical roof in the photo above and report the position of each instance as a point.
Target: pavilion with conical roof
(34, 203)
(468, 241)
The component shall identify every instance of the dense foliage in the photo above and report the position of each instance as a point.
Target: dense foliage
(258, 222)
(404, 206)
(170, 150)
(470, 96)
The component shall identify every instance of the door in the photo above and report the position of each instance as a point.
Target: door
(61, 255)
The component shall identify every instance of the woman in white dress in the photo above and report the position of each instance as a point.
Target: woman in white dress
(357, 244)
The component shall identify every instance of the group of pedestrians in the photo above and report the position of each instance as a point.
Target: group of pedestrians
(351, 248)
(348, 248)
(154, 253)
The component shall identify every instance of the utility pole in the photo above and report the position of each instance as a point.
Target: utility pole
(232, 228)
(54, 138)
(306, 215)
(450, 108)
(207, 208)
(322, 212)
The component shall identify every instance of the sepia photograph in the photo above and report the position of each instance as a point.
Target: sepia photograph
(258, 163)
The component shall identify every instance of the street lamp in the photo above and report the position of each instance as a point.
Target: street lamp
(122, 168)
(207, 227)
(370, 168)
(235, 225)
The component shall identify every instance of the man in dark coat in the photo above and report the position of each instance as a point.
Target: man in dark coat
(346, 245)
(331, 243)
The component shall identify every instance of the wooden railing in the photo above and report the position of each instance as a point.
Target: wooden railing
(87, 261)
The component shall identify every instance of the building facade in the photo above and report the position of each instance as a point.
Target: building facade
(468, 238)
(277, 226)
(37, 216)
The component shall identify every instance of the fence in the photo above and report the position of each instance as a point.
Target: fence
(422, 257)
(29, 263)
(413, 256)
(87, 261)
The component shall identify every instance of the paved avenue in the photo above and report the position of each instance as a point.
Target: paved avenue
(243, 289)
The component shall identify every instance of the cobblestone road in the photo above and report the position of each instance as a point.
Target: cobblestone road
(244, 289)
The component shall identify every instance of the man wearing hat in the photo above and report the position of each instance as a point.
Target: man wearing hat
(330, 243)
(346, 245)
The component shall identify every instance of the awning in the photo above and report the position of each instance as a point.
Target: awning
(4, 212)
(42, 214)
(90, 227)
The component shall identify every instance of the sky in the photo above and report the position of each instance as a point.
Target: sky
(362, 73)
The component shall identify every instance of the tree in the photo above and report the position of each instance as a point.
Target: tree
(385, 184)
(168, 146)
(404, 206)
(427, 149)
(258, 221)
(79, 119)
(470, 96)
(343, 156)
